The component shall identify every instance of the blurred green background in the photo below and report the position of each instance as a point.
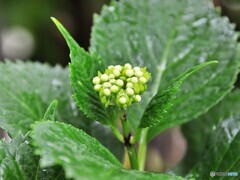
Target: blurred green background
(28, 33)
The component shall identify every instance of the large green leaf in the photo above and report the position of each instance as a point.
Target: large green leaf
(170, 37)
(26, 91)
(17, 161)
(162, 102)
(83, 68)
(81, 156)
(221, 120)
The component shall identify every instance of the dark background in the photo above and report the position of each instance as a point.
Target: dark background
(45, 43)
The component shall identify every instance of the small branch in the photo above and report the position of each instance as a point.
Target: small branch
(142, 149)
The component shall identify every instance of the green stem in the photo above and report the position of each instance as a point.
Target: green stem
(132, 156)
(127, 136)
(117, 134)
(142, 151)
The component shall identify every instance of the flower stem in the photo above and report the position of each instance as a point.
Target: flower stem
(127, 136)
(142, 149)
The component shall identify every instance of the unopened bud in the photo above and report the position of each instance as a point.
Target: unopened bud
(129, 91)
(96, 80)
(114, 89)
(97, 87)
(106, 92)
(119, 82)
(143, 80)
(122, 100)
(104, 77)
(129, 73)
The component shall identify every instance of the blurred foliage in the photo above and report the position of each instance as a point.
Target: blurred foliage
(35, 17)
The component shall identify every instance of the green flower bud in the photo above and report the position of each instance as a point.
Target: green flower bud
(106, 92)
(143, 80)
(137, 98)
(97, 87)
(96, 80)
(139, 73)
(107, 84)
(112, 81)
(114, 89)
(129, 85)
(104, 77)
(130, 91)
(111, 76)
(128, 66)
(129, 73)
(119, 82)
(136, 69)
(134, 80)
(118, 67)
(116, 72)
(121, 85)
(122, 100)
(110, 67)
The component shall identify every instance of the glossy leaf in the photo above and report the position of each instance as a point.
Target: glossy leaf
(19, 162)
(83, 68)
(210, 140)
(26, 91)
(163, 101)
(81, 156)
(170, 37)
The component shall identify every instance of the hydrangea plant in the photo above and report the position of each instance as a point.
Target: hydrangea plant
(151, 65)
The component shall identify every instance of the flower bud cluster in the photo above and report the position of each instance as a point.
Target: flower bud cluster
(121, 85)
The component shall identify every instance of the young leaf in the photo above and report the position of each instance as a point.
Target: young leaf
(83, 68)
(26, 91)
(163, 101)
(169, 37)
(81, 156)
(19, 162)
(49, 114)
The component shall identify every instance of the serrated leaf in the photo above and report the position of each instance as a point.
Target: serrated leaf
(83, 68)
(170, 37)
(163, 101)
(81, 156)
(18, 161)
(227, 109)
(26, 91)
(50, 112)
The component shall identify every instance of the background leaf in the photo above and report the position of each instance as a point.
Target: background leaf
(19, 162)
(26, 91)
(163, 101)
(85, 158)
(169, 37)
(216, 144)
(83, 68)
